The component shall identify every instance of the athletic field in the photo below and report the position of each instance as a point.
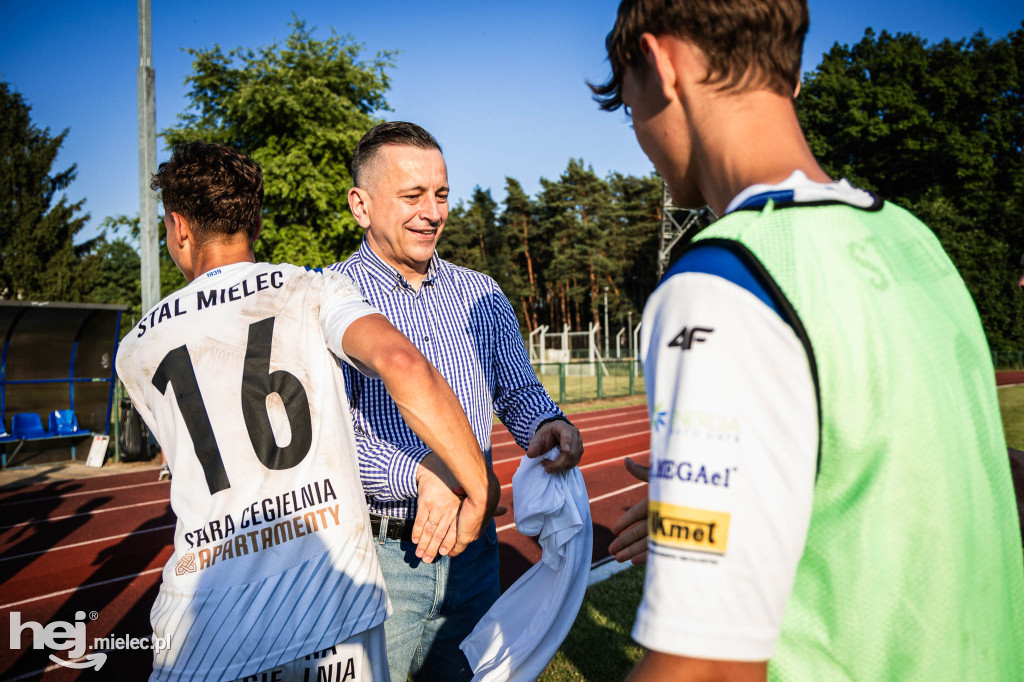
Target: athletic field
(97, 544)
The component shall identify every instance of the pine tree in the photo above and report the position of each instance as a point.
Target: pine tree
(38, 256)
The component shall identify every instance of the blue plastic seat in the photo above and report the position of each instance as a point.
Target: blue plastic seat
(62, 423)
(27, 425)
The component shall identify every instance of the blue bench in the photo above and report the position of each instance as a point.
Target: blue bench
(28, 426)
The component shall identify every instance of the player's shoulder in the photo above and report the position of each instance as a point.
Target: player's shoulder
(725, 266)
(329, 283)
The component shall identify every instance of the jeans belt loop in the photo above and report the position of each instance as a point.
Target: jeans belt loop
(382, 535)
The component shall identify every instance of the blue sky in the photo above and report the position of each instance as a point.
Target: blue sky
(501, 85)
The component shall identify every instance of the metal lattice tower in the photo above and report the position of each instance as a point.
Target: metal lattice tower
(677, 224)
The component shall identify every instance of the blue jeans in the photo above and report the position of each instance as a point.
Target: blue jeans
(436, 606)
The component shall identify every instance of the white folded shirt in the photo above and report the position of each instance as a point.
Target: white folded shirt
(518, 636)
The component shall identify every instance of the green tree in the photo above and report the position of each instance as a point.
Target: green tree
(38, 256)
(110, 273)
(298, 111)
(575, 214)
(938, 129)
(518, 223)
(111, 270)
(469, 234)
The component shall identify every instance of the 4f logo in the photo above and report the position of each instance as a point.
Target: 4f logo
(689, 336)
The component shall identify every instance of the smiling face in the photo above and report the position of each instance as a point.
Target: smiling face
(403, 207)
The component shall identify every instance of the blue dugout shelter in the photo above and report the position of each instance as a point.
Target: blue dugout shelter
(56, 378)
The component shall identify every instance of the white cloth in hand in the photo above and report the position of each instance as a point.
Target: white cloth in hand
(518, 636)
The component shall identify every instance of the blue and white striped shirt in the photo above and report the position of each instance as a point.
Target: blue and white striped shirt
(462, 322)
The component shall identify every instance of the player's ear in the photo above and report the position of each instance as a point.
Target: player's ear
(357, 203)
(180, 230)
(658, 53)
(259, 228)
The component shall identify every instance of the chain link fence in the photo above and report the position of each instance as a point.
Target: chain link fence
(569, 382)
(1008, 359)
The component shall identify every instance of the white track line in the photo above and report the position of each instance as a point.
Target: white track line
(90, 477)
(88, 542)
(157, 570)
(80, 587)
(611, 460)
(509, 526)
(618, 492)
(82, 492)
(585, 446)
(158, 528)
(585, 432)
(89, 513)
(501, 436)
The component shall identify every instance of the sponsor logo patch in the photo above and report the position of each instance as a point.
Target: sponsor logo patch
(700, 530)
(688, 472)
(696, 424)
(187, 564)
(685, 339)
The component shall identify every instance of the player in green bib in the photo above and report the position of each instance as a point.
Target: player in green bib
(830, 493)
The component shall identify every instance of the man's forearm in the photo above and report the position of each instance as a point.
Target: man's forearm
(424, 398)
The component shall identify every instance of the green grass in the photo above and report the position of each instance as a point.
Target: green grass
(598, 646)
(1011, 405)
(577, 388)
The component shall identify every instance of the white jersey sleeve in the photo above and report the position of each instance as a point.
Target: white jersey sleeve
(734, 436)
(342, 304)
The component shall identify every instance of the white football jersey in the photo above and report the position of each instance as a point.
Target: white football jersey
(237, 375)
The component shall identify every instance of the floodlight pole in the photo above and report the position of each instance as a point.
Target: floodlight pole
(677, 224)
(146, 77)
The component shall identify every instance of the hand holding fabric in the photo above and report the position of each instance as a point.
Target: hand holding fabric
(630, 543)
(560, 434)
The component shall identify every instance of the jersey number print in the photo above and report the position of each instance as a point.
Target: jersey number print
(258, 382)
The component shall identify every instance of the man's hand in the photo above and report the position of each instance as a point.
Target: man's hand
(630, 530)
(563, 435)
(446, 521)
(435, 530)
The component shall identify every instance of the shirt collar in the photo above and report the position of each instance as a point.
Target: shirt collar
(388, 276)
(798, 188)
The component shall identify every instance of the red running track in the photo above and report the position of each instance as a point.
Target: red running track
(98, 545)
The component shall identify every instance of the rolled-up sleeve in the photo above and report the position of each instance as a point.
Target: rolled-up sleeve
(387, 470)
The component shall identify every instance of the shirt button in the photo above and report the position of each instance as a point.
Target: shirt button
(426, 338)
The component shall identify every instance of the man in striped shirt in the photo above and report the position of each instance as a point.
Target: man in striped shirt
(463, 324)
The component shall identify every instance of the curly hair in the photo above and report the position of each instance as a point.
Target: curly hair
(219, 190)
(747, 43)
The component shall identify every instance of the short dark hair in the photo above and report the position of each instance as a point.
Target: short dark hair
(747, 43)
(401, 133)
(218, 189)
